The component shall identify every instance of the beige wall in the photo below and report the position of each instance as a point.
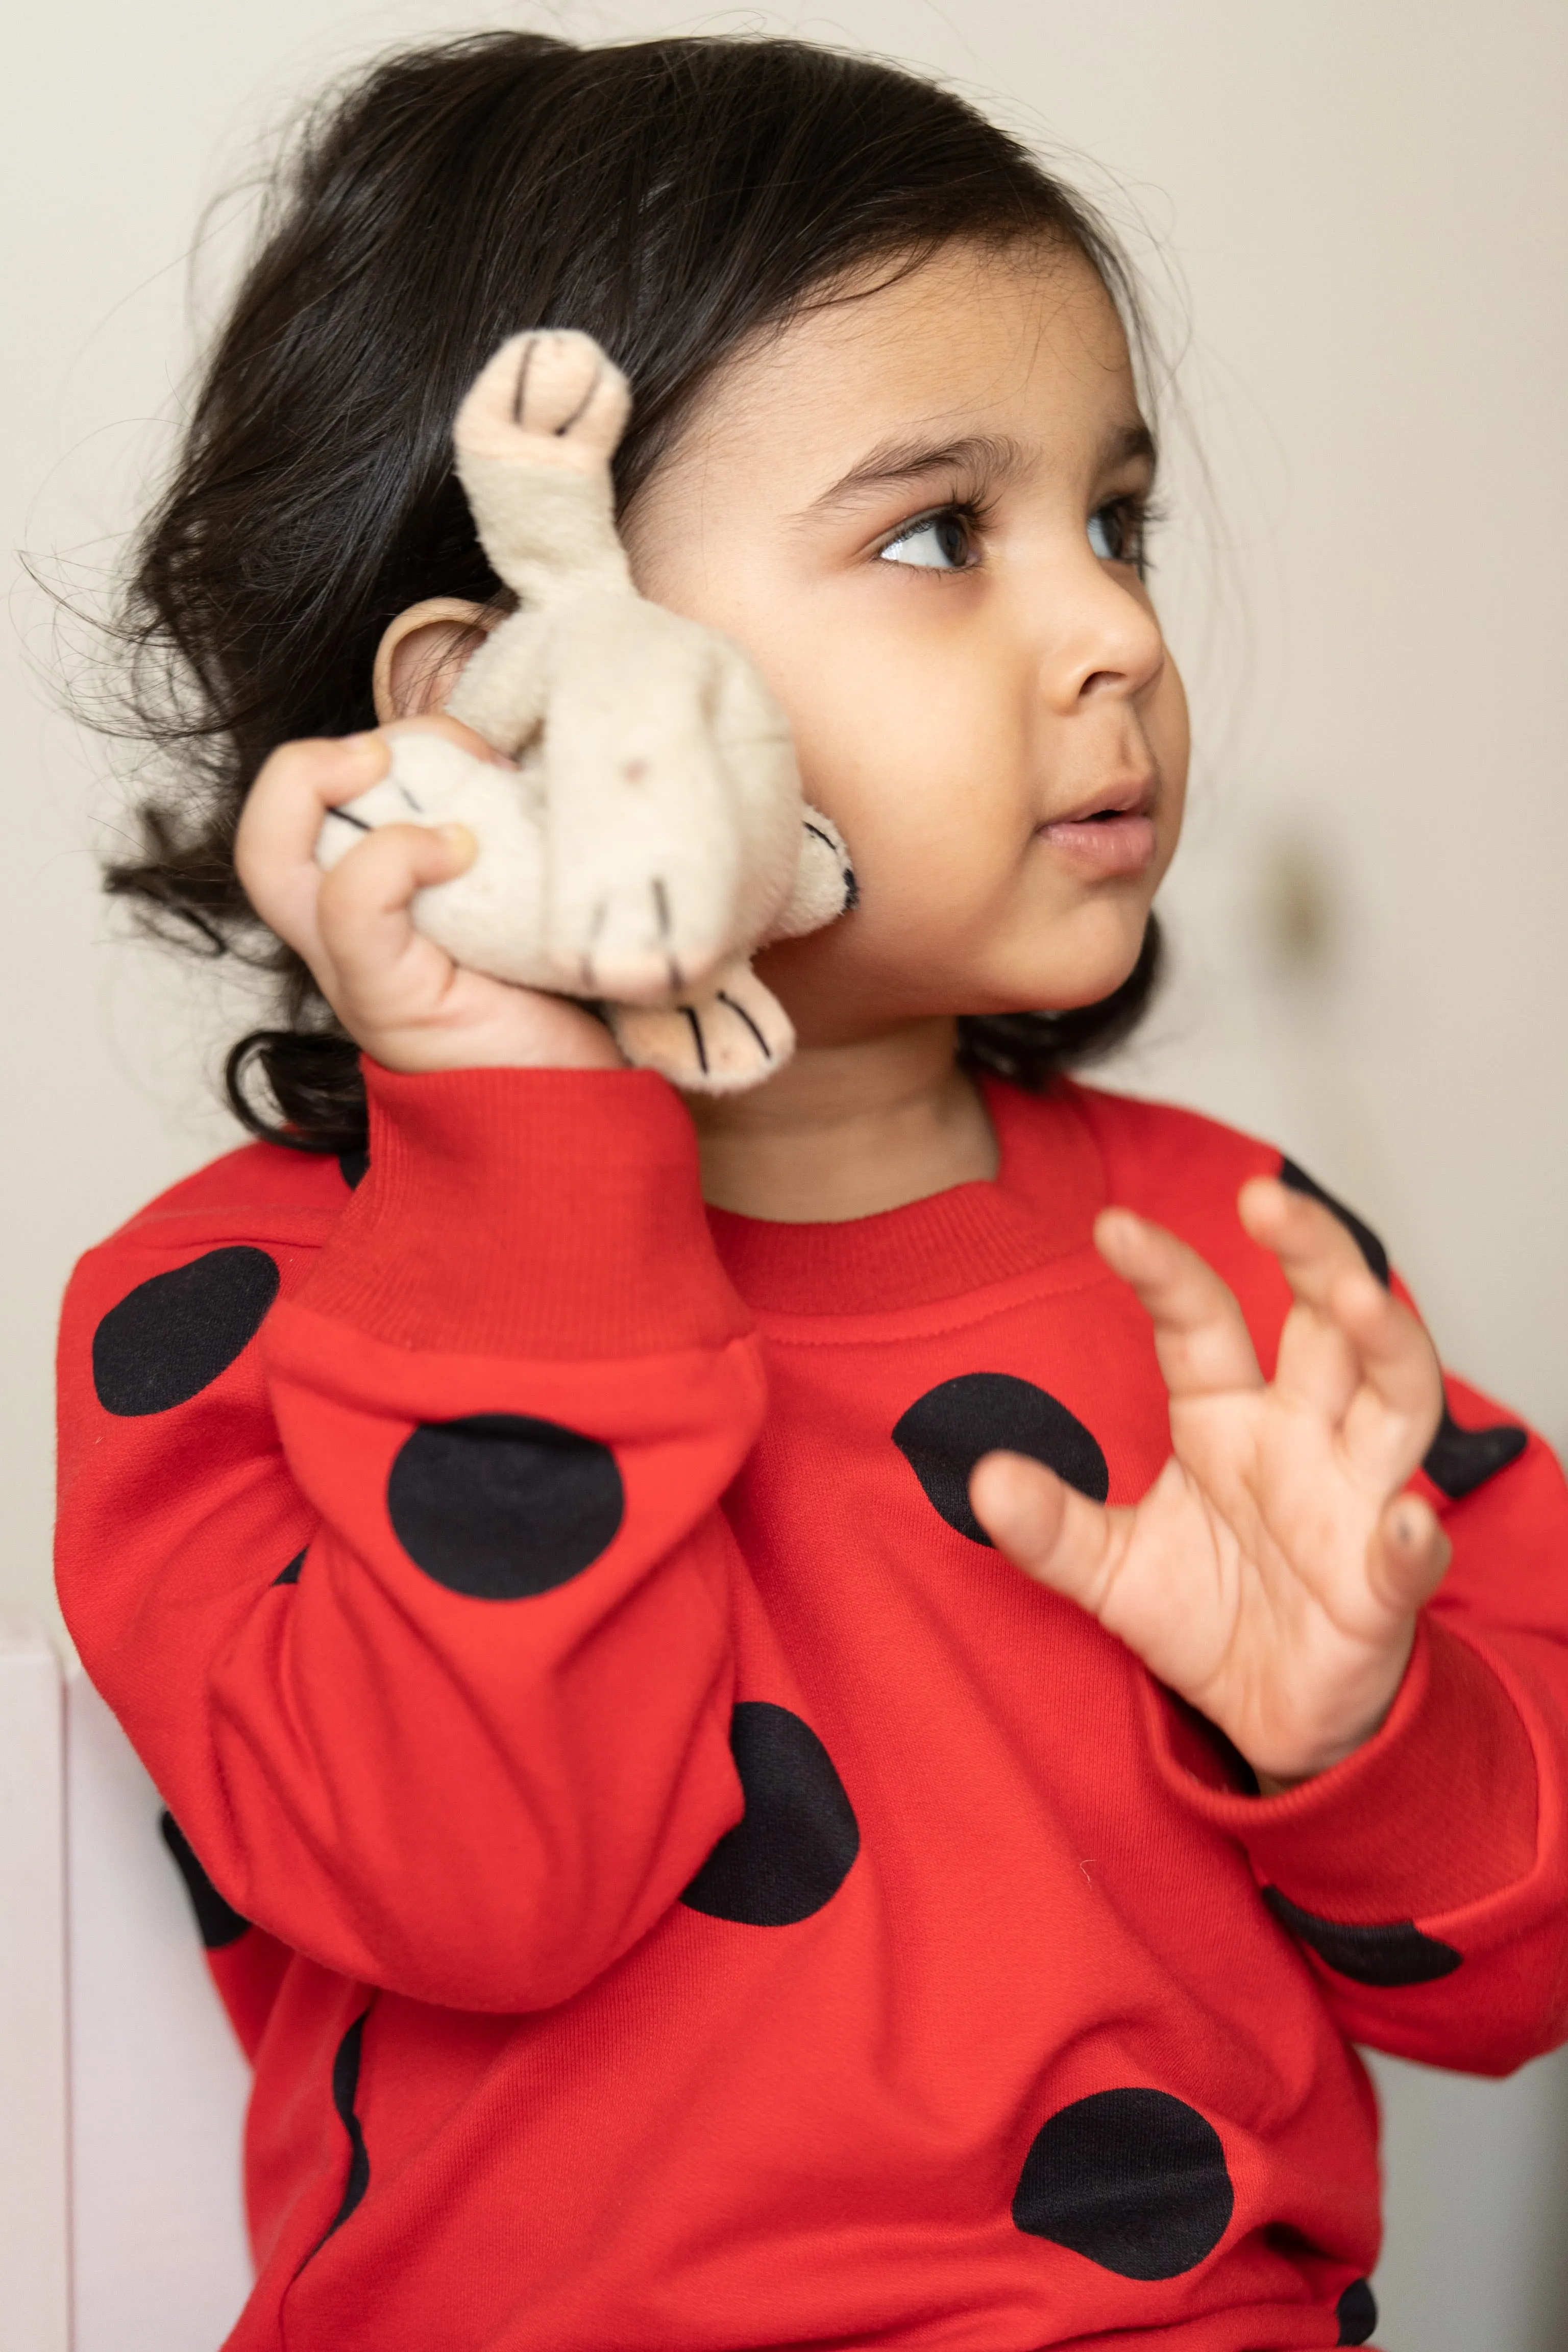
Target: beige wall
(1367, 208)
(1366, 201)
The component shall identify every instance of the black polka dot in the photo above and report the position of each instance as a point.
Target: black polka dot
(1134, 2181)
(352, 1167)
(791, 1851)
(945, 1433)
(500, 1507)
(219, 1923)
(172, 1335)
(291, 1575)
(1366, 1240)
(346, 2089)
(1398, 1953)
(1356, 2312)
(1459, 1460)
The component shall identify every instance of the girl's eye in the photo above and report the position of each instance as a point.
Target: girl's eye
(941, 542)
(1116, 532)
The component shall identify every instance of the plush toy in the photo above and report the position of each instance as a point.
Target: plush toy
(652, 834)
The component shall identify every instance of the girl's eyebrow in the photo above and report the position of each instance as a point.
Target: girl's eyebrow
(1132, 442)
(893, 463)
(992, 457)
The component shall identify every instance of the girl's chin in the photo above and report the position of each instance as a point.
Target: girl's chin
(1090, 957)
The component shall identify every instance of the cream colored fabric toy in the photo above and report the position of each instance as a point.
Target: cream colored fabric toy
(653, 833)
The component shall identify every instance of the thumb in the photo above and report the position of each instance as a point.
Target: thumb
(1408, 1555)
(1045, 1527)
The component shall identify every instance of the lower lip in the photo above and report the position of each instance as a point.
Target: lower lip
(1106, 846)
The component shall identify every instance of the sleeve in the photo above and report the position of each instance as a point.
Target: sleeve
(1425, 1878)
(403, 1563)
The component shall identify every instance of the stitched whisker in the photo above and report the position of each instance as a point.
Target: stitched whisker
(582, 408)
(696, 1037)
(528, 351)
(742, 1014)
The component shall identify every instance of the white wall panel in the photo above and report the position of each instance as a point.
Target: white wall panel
(34, 2254)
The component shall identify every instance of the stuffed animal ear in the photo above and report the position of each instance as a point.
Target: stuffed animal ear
(825, 885)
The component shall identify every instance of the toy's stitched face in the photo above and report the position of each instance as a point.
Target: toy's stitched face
(921, 513)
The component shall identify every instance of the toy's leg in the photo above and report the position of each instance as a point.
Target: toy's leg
(491, 917)
(733, 1036)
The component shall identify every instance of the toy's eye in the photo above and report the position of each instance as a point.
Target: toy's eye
(939, 542)
(1116, 532)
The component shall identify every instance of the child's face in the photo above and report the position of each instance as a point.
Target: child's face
(918, 513)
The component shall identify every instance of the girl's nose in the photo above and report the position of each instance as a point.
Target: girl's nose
(1104, 641)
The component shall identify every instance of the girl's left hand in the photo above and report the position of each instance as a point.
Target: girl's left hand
(1272, 1574)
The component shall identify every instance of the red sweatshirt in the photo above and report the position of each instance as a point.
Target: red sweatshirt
(683, 1889)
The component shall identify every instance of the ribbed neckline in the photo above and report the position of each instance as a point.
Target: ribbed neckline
(1041, 1205)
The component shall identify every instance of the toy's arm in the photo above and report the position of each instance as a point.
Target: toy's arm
(534, 441)
(419, 1609)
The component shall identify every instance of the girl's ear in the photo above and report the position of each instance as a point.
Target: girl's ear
(421, 655)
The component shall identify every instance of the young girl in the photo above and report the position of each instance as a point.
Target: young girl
(811, 1719)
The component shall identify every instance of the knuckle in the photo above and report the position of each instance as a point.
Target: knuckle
(250, 867)
(355, 874)
(297, 762)
(334, 897)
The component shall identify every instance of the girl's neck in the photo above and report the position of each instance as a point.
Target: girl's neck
(848, 1131)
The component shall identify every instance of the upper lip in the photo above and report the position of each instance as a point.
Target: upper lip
(1135, 796)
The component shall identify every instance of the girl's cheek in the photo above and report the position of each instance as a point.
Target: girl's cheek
(1172, 742)
(883, 732)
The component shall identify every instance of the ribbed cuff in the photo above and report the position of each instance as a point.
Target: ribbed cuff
(540, 1212)
(1435, 1812)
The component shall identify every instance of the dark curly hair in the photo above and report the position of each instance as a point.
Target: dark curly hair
(669, 196)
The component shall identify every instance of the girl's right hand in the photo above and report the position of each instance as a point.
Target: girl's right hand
(400, 997)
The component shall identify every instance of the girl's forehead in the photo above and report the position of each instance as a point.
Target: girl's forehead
(1022, 343)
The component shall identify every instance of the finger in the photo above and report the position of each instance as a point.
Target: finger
(1318, 1366)
(1396, 1359)
(1047, 1529)
(362, 907)
(1312, 1246)
(1356, 1331)
(436, 722)
(275, 847)
(1409, 1553)
(1200, 1333)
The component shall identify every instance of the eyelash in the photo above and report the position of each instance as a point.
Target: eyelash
(1133, 509)
(1144, 516)
(974, 513)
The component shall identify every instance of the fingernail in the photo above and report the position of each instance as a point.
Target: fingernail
(458, 837)
(363, 748)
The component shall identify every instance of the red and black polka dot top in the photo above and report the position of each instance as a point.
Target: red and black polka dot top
(682, 1889)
